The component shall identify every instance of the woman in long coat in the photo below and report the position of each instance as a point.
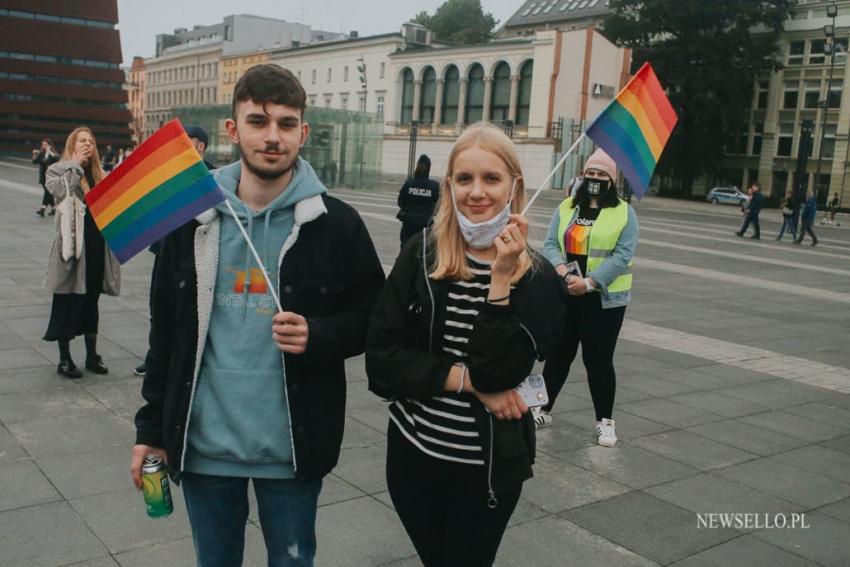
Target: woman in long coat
(77, 281)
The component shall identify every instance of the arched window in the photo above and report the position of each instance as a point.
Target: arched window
(500, 103)
(451, 94)
(407, 96)
(429, 96)
(523, 105)
(475, 94)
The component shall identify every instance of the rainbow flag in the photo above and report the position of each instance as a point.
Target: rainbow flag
(635, 127)
(160, 187)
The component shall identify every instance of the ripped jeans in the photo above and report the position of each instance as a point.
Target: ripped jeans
(218, 511)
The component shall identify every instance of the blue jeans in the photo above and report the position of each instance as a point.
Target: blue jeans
(787, 222)
(218, 510)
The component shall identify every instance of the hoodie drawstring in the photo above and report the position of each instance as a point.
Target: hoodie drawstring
(247, 282)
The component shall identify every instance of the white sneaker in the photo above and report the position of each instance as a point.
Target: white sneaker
(605, 433)
(541, 418)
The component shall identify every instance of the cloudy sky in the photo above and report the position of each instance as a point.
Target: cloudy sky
(141, 20)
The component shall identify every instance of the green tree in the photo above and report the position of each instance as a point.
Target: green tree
(707, 53)
(462, 22)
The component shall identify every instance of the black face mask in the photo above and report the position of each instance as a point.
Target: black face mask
(596, 187)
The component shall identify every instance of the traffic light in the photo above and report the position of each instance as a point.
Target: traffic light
(361, 69)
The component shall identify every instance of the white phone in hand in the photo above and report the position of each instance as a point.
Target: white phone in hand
(533, 391)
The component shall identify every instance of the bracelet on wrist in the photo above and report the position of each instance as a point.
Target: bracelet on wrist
(499, 300)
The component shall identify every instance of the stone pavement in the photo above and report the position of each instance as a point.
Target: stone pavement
(716, 412)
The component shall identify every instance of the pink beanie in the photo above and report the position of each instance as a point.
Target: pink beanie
(603, 162)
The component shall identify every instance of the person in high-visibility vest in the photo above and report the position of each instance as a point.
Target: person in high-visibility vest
(591, 242)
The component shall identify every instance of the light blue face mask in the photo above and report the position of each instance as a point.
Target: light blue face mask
(480, 235)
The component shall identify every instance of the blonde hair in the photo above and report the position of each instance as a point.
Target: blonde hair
(450, 262)
(94, 163)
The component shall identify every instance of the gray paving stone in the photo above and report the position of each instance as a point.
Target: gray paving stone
(64, 400)
(120, 522)
(777, 394)
(564, 436)
(656, 387)
(734, 376)
(526, 512)
(795, 426)
(820, 460)
(20, 358)
(106, 561)
(691, 449)
(554, 541)
(841, 444)
(364, 468)
(73, 434)
(87, 473)
(745, 550)
(334, 490)
(670, 413)
(123, 394)
(631, 466)
(823, 412)
(789, 483)
(839, 510)
(719, 404)
(825, 542)
(180, 553)
(748, 437)
(344, 538)
(10, 450)
(629, 426)
(25, 380)
(23, 484)
(648, 526)
(11, 341)
(359, 435)
(376, 417)
(709, 493)
(50, 534)
(558, 485)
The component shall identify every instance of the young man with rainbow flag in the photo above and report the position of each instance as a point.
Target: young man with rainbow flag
(238, 388)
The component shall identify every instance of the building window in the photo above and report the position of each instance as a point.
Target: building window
(343, 102)
(816, 52)
(345, 73)
(758, 133)
(762, 90)
(383, 68)
(330, 74)
(500, 102)
(829, 141)
(451, 94)
(786, 140)
(406, 96)
(361, 103)
(475, 95)
(313, 79)
(790, 95)
(327, 101)
(312, 100)
(833, 97)
(379, 106)
(428, 99)
(795, 52)
(523, 108)
(811, 94)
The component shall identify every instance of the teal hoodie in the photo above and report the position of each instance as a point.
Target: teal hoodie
(239, 423)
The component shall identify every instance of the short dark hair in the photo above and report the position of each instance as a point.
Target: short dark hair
(269, 83)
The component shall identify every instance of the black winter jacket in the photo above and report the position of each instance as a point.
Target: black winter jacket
(404, 359)
(331, 276)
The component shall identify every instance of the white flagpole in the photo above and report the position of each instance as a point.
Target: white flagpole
(551, 173)
(256, 257)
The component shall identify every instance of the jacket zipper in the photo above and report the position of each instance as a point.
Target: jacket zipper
(492, 502)
(430, 293)
(296, 228)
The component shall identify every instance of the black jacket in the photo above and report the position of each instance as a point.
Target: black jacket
(403, 355)
(44, 161)
(331, 276)
(416, 201)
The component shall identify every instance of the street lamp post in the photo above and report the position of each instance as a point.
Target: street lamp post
(829, 48)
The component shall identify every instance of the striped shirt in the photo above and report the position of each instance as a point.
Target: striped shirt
(444, 426)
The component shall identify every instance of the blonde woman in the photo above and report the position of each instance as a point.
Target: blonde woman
(78, 281)
(463, 315)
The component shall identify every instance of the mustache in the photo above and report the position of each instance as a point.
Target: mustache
(272, 148)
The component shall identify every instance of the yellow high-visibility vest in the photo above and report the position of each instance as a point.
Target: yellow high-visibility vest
(604, 235)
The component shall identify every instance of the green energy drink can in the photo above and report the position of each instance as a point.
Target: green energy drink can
(156, 488)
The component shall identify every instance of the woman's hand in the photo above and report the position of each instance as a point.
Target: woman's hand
(509, 245)
(504, 405)
(82, 155)
(576, 286)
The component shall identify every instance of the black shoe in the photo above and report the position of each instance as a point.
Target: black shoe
(96, 365)
(68, 369)
(52, 211)
(798, 242)
(814, 243)
(739, 234)
(755, 237)
(40, 212)
(139, 370)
